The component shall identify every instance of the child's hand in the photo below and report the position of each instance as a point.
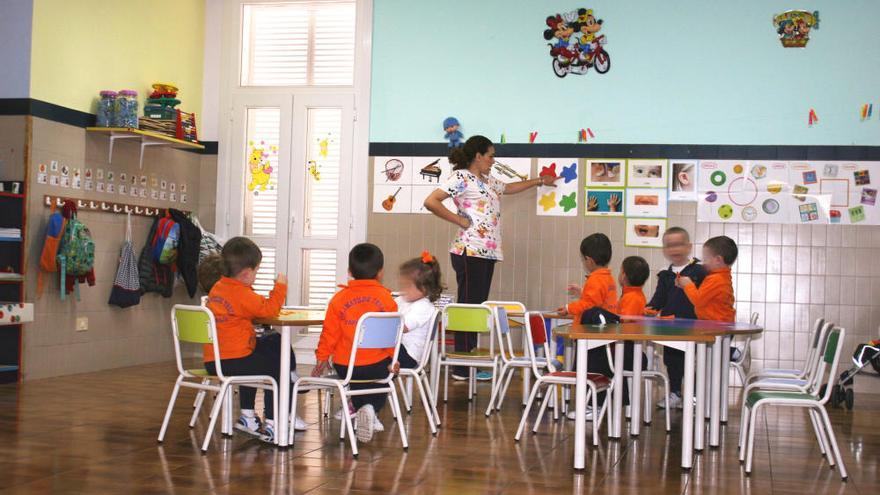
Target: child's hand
(682, 282)
(651, 311)
(319, 368)
(573, 290)
(394, 368)
(562, 310)
(281, 279)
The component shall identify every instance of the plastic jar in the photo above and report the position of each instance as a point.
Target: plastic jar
(127, 109)
(106, 109)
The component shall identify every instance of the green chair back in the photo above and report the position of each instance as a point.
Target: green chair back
(472, 318)
(831, 346)
(193, 325)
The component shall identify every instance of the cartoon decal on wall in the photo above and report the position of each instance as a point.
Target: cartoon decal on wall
(794, 26)
(313, 170)
(455, 137)
(259, 166)
(575, 44)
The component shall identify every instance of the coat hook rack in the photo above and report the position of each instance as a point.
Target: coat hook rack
(107, 206)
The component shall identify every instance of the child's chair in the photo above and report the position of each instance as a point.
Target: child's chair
(814, 400)
(196, 325)
(373, 331)
(510, 362)
(744, 355)
(595, 381)
(793, 384)
(815, 339)
(474, 318)
(420, 376)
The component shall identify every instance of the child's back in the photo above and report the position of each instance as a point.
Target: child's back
(714, 300)
(634, 272)
(235, 305)
(343, 311)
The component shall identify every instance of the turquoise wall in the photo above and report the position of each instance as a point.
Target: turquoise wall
(686, 72)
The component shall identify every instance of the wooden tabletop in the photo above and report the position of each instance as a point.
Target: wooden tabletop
(656, 329)
(294, 318)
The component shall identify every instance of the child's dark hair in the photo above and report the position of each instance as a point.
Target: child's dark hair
(598, 247)
(723, 246)
(425, 275)
(636, 270)
(462, 157)
(239, 253)
(677, 230)
(210, 270)
(365, 261)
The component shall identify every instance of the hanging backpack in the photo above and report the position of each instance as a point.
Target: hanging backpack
(48, 256)
(126, 288)
(76, 256)
(165, 241)
(154, 277)
(190, 241)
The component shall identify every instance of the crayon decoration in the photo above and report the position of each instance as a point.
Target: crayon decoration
(532, 136)
(503, 138)
(867, 109)
(812, 118)
(590, 132)
(582, 136)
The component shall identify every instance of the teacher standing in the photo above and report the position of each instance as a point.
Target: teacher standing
(477, 245)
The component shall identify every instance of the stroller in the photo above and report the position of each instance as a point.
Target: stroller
(865, 354)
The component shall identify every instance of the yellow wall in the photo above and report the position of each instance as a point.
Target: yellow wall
(81, 47)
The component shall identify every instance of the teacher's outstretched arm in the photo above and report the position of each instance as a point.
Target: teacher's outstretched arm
(434, 204)
(518, 187)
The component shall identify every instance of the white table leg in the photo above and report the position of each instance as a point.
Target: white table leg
(635, 405)
(687, 421)
(649, 386)
(580, 406)
(617, 419)
(725, 376)
(283, 419)
(715, 405)
(700, 416)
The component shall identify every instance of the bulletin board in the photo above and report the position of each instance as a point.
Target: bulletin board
(755, 191)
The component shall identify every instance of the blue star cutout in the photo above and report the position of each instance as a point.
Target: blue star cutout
(569, 173)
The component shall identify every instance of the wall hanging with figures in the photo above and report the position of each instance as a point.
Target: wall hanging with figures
(794, 26)
(260, 166)
(575, 43)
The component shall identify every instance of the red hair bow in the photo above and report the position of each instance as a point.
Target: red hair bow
(427, 257)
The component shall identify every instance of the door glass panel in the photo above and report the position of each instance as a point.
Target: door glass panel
(267, 271)
(261, 171)
(323, 168)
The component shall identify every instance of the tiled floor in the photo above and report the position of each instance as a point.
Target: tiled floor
(96, 433)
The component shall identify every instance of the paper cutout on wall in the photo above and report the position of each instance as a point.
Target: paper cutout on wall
(430, 170)
(605, 173)
(646, 203)
(392, 199)
(259, 167)
(788, 192)
(560, 200)
(509, 170)
(575, 44)
(645, 232)
(683, 180)
(605, 202)
(794, 26)
(392, 170)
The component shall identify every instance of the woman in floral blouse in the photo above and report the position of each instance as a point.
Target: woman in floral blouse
(477, 245)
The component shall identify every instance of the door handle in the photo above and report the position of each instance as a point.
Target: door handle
(291, 225)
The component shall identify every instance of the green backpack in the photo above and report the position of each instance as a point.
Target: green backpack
(76, 256)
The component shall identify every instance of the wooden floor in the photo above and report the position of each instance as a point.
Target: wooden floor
(96, 433)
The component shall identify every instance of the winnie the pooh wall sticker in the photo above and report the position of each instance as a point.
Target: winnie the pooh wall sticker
(259, 167)
(794, 26)
(575, 43)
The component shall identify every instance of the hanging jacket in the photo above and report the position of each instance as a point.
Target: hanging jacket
(188, 247)
(154, 277)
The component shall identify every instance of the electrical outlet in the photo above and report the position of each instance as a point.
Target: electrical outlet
(82, 323)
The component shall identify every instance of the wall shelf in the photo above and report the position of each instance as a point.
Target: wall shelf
(8, 367)
(146, 138)
(10, 239)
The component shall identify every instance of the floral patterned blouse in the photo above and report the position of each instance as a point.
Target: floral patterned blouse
(478, 199)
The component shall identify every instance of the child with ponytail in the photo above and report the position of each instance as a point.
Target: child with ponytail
(420, 284)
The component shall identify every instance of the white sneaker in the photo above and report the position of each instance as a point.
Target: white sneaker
(351, 411)
(588, 416)
(299, 424)
(366, 418)
(377, 425)
(674, 401)
(459, 378)
(250, 425)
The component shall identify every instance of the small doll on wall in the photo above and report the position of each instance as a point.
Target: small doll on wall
(455, 137)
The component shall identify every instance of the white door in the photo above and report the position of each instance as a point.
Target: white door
(294, 156)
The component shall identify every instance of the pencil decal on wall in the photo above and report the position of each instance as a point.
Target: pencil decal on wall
(812, 118)
(532, 136)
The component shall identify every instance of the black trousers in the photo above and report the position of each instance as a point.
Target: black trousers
(367, 372)
(474, 278)
(265, 360)
(674, 361)
(405, 360)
